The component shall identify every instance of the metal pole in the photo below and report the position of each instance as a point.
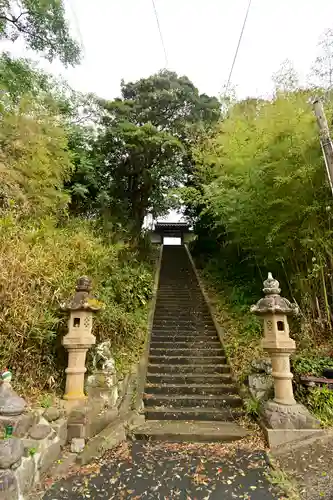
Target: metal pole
(325, 139)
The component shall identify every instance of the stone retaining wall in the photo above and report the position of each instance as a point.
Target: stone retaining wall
(37, 436)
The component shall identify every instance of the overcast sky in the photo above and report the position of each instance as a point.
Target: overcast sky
(121, 40)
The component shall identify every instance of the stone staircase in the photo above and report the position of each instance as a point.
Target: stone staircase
(189, 392)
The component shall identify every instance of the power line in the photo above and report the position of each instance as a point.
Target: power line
(161, 35)
(238, 45)
(77, 25)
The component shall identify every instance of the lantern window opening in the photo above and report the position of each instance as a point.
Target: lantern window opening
(280, 326)
(76, 322)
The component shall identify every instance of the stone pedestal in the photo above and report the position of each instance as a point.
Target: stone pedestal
(287, 423)
(296, 416)
(283, 389)
(75, 371)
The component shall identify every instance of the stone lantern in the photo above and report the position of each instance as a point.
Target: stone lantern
(79, 337)
(285, 419)
(275, 311)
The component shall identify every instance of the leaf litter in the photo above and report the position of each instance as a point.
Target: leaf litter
(163, 470)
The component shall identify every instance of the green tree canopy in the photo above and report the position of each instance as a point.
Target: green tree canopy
(264, 203)
(43, 26)
(143, 149)
(139, 165)
(170, 102)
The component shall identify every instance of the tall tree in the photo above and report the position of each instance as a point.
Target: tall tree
(170, 102)
(43, 26)
(144, 146)
(140, 164)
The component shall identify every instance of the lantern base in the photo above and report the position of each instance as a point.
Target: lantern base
(295, 416)
(287, 423)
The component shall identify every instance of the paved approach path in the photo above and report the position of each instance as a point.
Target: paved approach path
(166, 471)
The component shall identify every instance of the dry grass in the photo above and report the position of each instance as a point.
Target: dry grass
(39, 265)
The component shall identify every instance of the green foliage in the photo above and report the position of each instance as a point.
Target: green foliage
(142, 152)
(43, 26)
(170, 102)
(311, 365)
(281, 480)
(265, 203)
(59, 121)
(46, 161)
(320, 401)
(46, 401)
(252, 407)
(20, 77)
(34, 162)
(135, 289)
(140, 164)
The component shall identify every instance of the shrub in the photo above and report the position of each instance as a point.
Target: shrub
(39, 266)
(320, 401)
(311, 365)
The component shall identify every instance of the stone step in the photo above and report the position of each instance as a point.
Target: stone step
(187, 360)
(179, 301)
(184, 331)
(191, 307)
(185, 302)
(201, 401)
(202, 414)
(188, 369)
(188, 352)
(187, 431)
(174, 297)
(202, 378)
(179, 325)
(181, 289)
(189, 344)
(185, 317)
(182, 307)
(203, 389)
(184, 337)
(180, 320)
(179, 311)
(171, 320)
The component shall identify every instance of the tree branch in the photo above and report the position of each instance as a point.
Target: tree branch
(22, 14)
(13, 19)
(21, 29)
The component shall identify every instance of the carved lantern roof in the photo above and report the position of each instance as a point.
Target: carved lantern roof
(82, 300)
(273, 303)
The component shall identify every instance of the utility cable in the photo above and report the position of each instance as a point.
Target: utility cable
(77, 25)
(238, 45)
(161, 35)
